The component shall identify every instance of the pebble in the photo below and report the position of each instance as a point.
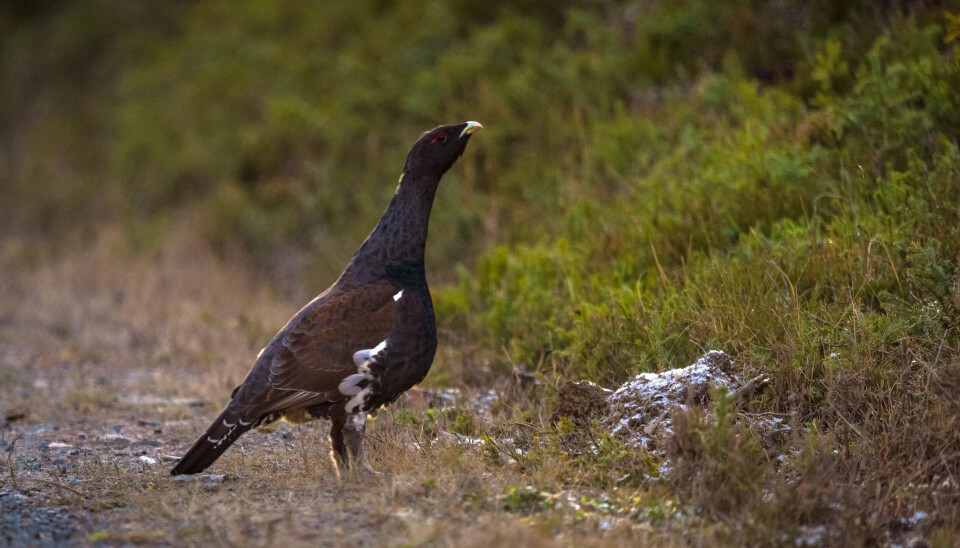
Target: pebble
(149, 443)
(22, 524)
(116, 440)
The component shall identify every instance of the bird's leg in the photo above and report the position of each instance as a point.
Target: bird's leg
(339, 451)
(353, 431)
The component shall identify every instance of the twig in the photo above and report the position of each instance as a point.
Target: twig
(751, 387)
(58, 485)
(819, 319)
(10, 466)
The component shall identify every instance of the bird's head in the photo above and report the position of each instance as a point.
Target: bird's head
(438, 149)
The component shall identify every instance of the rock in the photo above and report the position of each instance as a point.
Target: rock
(459, 439)
(639, 411)
(147, 460)
(148, 443)
(116, 440)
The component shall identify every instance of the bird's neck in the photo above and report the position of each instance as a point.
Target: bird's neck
(401, 234)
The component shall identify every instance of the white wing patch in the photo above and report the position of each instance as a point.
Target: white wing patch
(355, 402)
(351, 384)
(363, 358)
(398, 295)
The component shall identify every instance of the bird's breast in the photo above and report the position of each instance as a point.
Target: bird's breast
(411, 347)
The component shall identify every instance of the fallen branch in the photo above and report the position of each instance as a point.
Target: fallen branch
(751, 387)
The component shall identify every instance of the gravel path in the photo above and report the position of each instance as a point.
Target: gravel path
(24, 524)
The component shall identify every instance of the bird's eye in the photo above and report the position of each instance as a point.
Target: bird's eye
(441, 137)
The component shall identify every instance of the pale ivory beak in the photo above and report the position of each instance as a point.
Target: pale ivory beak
(472, 127)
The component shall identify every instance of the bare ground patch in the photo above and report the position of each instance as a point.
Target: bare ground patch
(111, 364)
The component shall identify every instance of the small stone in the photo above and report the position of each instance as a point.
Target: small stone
(149, 443)
(116, 440)
(81, 435)
(149, 461)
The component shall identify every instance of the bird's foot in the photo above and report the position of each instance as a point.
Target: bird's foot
(357, 470)
(364, 470)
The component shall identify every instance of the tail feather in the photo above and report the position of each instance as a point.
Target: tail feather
(219, 436)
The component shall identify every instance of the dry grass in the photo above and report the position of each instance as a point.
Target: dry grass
(180, 316)
(150, 345)
(103, 340)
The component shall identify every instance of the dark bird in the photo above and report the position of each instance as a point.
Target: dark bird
(361, 343)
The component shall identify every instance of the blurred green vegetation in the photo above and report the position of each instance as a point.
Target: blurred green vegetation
(776, 179)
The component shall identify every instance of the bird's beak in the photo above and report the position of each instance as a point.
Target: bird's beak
(472, 127)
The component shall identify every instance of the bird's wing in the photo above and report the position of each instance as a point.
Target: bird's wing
(314, 353)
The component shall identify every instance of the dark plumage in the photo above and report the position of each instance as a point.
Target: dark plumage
(362, 342)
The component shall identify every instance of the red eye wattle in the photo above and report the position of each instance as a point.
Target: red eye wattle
(441, 137)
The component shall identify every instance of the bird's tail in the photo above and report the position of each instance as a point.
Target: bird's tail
(221, 434)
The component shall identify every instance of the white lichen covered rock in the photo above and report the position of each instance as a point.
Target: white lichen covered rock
(640, 408)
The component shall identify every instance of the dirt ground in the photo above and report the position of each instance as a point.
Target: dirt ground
(104, 477)
(111, 364)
